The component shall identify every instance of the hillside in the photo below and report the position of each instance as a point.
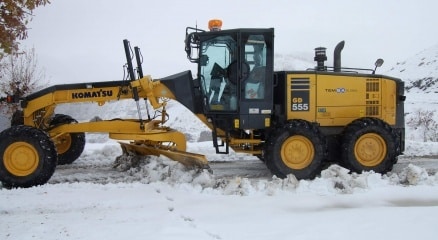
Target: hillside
(293, 61)
(420, 73)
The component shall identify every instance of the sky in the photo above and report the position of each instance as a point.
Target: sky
(81, 40)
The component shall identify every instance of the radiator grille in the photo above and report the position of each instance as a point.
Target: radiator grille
(373, 85)
(373, 97)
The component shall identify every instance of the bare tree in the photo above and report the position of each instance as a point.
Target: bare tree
(423, 120)
(20, 75)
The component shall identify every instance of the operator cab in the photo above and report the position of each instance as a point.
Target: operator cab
(235, 74)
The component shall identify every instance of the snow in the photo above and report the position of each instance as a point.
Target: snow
(166, 201)
(425, 64)
(156, 198)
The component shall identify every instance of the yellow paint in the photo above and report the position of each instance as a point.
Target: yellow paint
(370, 149)
(236, 123)
(267, 122)
(336, 100)
(21, 159)
(297, 152)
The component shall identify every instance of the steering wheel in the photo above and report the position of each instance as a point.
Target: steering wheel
(232, 70)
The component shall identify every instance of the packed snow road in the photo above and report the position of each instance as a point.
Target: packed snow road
(430, 163)
(107, 173)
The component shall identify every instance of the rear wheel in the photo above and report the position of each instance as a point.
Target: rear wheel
(369, 144)
(296, 148)
(28, 157)
(69, 145)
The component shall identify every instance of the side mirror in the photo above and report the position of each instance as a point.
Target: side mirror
(379, 63)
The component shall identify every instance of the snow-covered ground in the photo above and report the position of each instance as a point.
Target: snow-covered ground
(159, 199)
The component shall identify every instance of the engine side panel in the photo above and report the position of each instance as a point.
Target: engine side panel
(337, 99)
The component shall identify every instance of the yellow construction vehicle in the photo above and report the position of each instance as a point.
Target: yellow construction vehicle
(294, 121)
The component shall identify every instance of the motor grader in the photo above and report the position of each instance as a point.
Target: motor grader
(294, 121)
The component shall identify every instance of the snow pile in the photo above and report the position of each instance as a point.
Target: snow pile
(414, 175)
(333, 180)
(161, 169)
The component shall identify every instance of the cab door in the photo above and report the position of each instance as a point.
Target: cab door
(256, 100)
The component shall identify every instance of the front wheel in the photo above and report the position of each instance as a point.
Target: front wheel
(369, 144)
(297, 148)
(28, 157)
(17, 118)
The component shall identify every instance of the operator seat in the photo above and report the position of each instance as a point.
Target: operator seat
(255, 84)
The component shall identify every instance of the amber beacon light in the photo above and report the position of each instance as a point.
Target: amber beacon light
(215, 25)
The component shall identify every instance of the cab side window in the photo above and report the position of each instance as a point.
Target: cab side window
(255, 57)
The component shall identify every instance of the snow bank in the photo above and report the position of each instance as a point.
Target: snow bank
(415, 148)
(98, 168)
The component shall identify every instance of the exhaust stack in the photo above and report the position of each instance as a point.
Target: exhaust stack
(337, 56)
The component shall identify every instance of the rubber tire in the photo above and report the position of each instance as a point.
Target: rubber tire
(17, 118)
(260, 157)
(44, 147)
(278, 137)
(363, 126)
(77, 140)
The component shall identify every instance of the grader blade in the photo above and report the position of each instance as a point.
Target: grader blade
(186, 158)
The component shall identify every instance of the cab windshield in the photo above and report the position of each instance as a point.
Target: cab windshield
(218, 80)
